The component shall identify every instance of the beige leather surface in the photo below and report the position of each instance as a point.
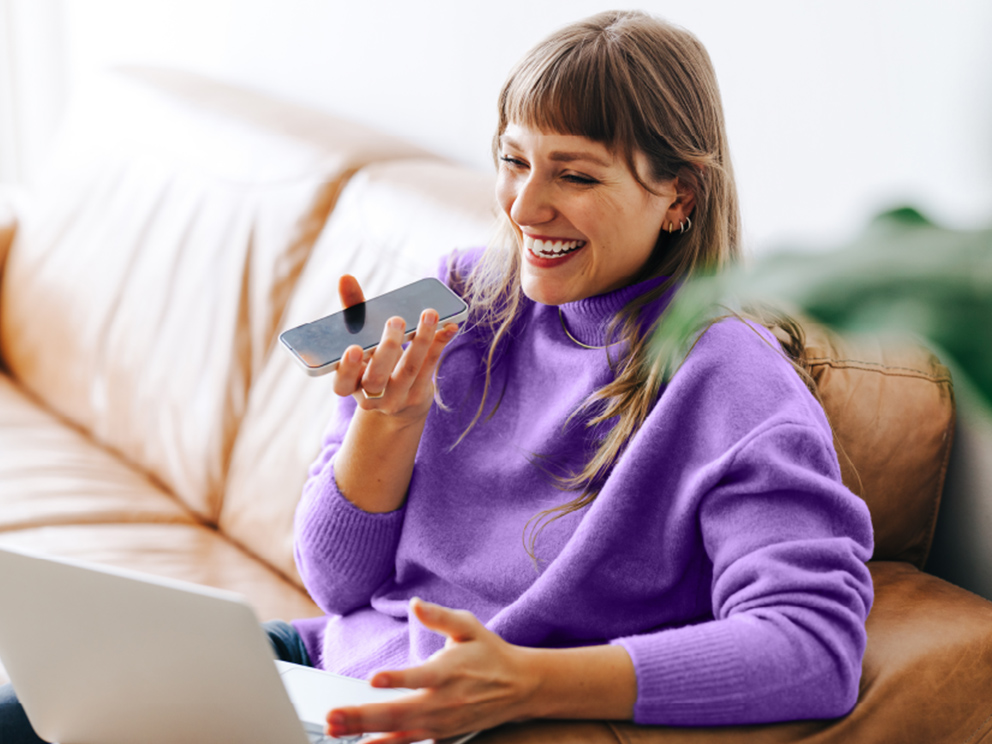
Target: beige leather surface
(180, 551)
(892, 411)
(188, 552)
(51, 473)
(926, 680)
(393, 223)
(143, 288)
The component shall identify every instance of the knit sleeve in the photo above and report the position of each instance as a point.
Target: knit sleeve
(790, 592)
(343, 553)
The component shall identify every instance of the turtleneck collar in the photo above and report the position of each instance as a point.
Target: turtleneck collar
(587, 319)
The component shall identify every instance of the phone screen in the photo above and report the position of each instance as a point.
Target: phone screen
(319, 345)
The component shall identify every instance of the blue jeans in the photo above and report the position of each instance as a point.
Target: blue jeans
(16, 729)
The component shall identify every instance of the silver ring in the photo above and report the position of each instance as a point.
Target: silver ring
(373, 397)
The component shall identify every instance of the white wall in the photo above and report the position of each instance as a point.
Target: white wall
(835, 108)
(32, 83)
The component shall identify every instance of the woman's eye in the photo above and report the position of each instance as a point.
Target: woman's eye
(582, 180)
(512, 162)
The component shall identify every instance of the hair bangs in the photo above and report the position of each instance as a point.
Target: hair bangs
(569, 92)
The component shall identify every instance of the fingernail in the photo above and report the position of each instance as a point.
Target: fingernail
(430, 318)
(354, 356)
(396, 324)
(338, 723)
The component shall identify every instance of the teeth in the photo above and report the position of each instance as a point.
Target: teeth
(551, 248)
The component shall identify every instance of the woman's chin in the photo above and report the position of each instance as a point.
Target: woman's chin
(544, 294)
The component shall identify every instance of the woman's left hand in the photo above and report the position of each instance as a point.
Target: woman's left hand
(476, 681)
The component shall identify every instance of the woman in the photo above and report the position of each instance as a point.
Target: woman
(594, 542)
(708, 567)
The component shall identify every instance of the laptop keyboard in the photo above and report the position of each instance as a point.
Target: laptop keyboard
(317, 736)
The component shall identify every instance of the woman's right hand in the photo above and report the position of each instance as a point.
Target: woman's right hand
(403, 377)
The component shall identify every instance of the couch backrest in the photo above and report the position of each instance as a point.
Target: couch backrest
(393, 224)
(891, 406)
(142, 292)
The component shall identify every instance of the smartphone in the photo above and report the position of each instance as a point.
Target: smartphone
(319, 345)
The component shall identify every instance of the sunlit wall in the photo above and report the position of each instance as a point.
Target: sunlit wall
(835, 109)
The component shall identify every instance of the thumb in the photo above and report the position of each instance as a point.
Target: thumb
(350, 291)
(458, 625)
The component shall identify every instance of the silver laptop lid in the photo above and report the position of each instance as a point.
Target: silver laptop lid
(101, 655)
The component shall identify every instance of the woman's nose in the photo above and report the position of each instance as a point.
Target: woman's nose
(533, 204)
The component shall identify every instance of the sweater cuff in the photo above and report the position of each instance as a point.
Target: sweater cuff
(691, 676)
(359, 543)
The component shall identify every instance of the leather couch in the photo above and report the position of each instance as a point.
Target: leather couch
(149, 419)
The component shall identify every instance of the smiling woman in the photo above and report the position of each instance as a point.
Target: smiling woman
(709, 565)
(521, 520)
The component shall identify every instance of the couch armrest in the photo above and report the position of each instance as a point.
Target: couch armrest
(926, 676)
(891, 407)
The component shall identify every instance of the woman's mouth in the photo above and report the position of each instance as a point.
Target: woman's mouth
(551, 250)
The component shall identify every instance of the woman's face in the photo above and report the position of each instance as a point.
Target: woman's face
(586, 225)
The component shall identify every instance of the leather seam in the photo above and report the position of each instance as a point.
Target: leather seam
(978, 730)
(876, 367)
(621, 739)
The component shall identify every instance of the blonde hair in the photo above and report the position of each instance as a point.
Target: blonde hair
(635, 84)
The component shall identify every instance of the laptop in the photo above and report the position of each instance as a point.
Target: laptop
(101, 655)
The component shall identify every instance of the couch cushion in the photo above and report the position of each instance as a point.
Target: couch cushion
(189, 552)
(891, 407)
(393, 223)
(144, 285)
(51, 473)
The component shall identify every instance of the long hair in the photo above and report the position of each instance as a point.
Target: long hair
(635, 84)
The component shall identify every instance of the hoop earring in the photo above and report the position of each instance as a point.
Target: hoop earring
(671, 227)
(686, 226)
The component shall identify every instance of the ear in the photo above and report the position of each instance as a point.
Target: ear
(685, 200)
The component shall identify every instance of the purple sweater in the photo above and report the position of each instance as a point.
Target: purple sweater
(723, 552)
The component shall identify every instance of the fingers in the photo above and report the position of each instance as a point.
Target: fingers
(350, 370)
(386, 717)
(384, 358)
(440, 340)
(404, 376)
(416, 352)
(458, 625)
(350, 291)
(428, 674)
(469, 685)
